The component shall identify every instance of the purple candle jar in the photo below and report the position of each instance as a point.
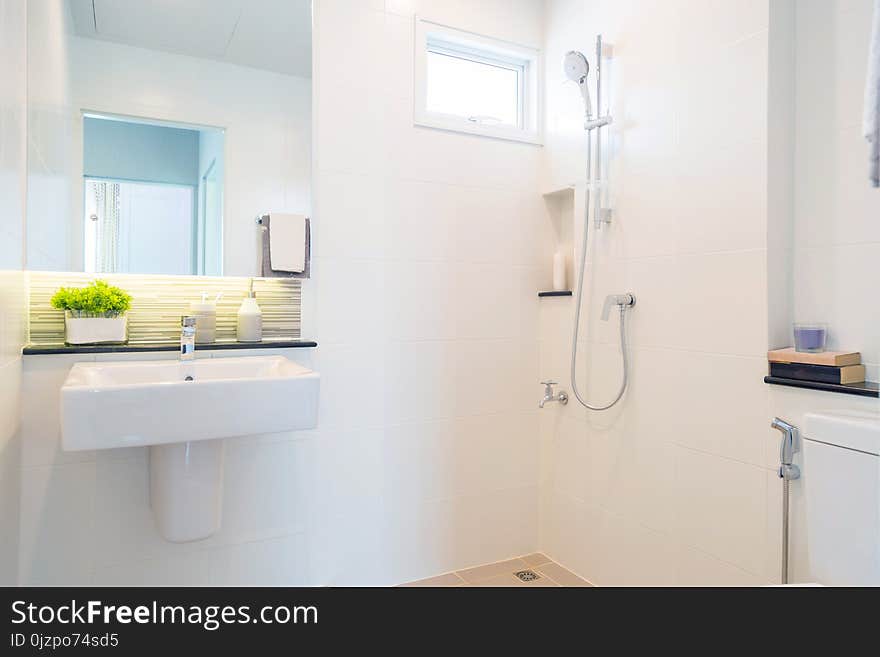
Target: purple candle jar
(810, 337)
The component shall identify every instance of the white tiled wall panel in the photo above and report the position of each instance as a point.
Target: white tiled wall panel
(836, 232)
(13, 148)
(425, 237)
(671, 487)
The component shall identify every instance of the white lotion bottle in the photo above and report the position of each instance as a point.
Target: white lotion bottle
(205, 313)
(250, 319)
(559, 272)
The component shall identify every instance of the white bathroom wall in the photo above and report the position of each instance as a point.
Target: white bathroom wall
(54, 241)
(13, 149)
(423, 301)
(675, 486)
(266, 117)
(781, 99)
(836, 229)
(425, 285)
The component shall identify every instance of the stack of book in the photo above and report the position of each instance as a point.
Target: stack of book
(837, 367)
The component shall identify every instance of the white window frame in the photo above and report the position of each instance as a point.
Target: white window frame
(434, 37)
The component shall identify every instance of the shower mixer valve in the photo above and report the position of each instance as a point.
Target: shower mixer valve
(622, 301)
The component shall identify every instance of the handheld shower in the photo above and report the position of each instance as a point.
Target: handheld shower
(577, 68)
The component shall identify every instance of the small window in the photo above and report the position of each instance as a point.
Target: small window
(474, 84)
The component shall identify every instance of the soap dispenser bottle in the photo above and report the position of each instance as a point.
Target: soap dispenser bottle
(250, 318)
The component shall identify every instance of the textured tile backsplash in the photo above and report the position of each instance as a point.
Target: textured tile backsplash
(159, 301)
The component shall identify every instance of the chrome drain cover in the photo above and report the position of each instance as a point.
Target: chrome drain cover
(527, 575)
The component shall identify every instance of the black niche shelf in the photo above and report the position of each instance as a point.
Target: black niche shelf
(864, 389)
(555, 293)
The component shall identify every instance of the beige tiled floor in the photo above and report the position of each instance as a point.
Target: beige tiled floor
(549, 573)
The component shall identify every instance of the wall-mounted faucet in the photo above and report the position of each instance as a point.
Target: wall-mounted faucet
(562, 397)
(187, 338)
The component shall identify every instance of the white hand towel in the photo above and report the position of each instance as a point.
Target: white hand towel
(287, 242)
(871, 122)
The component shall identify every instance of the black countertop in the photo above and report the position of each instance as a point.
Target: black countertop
(48, 349)
(865, 389)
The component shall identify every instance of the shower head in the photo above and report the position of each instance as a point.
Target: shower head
(576, 66)
(576, 69)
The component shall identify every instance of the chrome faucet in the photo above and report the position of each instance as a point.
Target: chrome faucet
(187, 338)
(562, 397)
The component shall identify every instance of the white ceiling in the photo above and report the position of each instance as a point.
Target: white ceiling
(275, 35)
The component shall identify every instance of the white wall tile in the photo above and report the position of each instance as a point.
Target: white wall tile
(693, 414)
(13, 184)
(519, 20)
(421, 381)
(695, 568)
(713, 303)
(629, 554)
(349, 305)
(182, 570)
(421, 302)
(57, 523)
(721, 508)
(831, 285)
(360, 198)
(277, 562)
(835, 229)
(630, 473)
(42, 379)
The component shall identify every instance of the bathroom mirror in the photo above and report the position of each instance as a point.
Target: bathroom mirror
(159, 133)
(153, 197)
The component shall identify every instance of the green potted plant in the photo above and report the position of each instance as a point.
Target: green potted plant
(94, 314)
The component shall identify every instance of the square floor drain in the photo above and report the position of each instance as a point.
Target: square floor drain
(527, 575)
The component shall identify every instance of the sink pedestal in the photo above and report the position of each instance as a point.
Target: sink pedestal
(186, 489)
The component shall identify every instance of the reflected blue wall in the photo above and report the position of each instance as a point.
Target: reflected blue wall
(136, 151)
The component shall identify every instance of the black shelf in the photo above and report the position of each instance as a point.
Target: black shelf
(555, 293)
(50, 349)
(865, 389)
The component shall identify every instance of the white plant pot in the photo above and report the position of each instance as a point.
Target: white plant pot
(95, 330)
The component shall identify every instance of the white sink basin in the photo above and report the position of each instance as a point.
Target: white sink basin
(107, 405)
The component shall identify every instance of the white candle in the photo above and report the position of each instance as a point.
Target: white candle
(559, 271)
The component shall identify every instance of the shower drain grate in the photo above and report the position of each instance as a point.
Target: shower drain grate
(527, 575)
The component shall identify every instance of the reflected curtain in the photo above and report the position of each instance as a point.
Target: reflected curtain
(107, 205)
